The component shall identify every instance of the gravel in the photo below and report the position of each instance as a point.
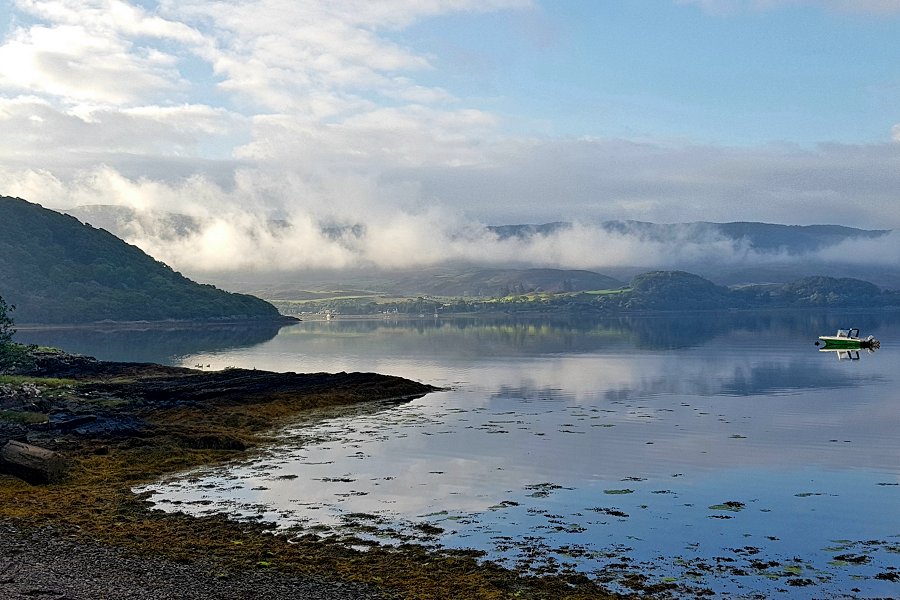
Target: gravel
(46, 564)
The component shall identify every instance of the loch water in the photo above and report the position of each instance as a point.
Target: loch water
(715, 451)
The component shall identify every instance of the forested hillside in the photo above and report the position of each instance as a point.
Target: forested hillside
(58, 270)
(677, 290)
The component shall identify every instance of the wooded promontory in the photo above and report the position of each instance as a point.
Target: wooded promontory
(55, 269)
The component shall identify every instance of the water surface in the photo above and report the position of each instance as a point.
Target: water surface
(720, 452)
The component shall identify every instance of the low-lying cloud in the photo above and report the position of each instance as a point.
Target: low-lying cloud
(265, 222)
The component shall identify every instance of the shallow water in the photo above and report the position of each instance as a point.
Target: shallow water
(721, 452)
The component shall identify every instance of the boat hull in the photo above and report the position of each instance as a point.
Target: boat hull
(841, 343)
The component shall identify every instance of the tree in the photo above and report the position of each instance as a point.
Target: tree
(6, 322)
(12, 356)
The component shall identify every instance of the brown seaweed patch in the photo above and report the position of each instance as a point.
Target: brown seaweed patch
(96, 501)
(853, 559)
(613, 512)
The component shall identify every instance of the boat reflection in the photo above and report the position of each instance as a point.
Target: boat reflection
(845, 354)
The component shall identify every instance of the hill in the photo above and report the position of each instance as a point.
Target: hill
(58, 270)
(677, 290)
(487, 282)
(447, 280)
(665, 290)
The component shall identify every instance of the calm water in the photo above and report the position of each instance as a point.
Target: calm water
(717, 451)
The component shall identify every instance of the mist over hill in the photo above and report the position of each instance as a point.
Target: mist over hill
(58, 270)
(245, 251)
(765, 237)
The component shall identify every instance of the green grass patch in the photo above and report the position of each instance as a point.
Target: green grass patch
(22, 416)
(606, 292)
(324, 299)
(47, 382)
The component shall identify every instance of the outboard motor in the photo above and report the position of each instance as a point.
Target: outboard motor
(871, 343)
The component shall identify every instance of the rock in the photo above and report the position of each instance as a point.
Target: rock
(73, 422)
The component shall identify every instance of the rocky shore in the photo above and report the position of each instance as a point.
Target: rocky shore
(49, 563)
(62, 400)
(119, 425)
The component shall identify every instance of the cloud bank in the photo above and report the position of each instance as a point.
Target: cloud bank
(319, 115)
(203, 229)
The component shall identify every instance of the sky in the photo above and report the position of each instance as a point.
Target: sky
(424, 120)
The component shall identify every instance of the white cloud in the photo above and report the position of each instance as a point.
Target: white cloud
(86, 133)
(109, 16)
(97, 51)
(317, 81)
(884, 250)
(71, 62)
(276, 54)
(373, 140)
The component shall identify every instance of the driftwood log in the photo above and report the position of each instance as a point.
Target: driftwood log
(32, 463)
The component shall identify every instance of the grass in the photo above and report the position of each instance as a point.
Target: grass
(607, 292)
(23, 417)
(44, 382)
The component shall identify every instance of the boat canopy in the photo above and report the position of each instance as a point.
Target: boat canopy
(852, 332)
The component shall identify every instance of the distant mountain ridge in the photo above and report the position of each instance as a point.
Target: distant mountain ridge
(769, 237)
(58, 270)
(754, 252)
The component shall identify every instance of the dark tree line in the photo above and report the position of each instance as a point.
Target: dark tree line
(6, 323)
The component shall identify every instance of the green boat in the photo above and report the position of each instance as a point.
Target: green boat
(848, 339)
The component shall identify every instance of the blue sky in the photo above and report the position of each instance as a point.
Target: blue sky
(658, 69)
(413, 115)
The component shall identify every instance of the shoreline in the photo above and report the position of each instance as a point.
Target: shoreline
(121, 425)
(285, 320)
(282, 321)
